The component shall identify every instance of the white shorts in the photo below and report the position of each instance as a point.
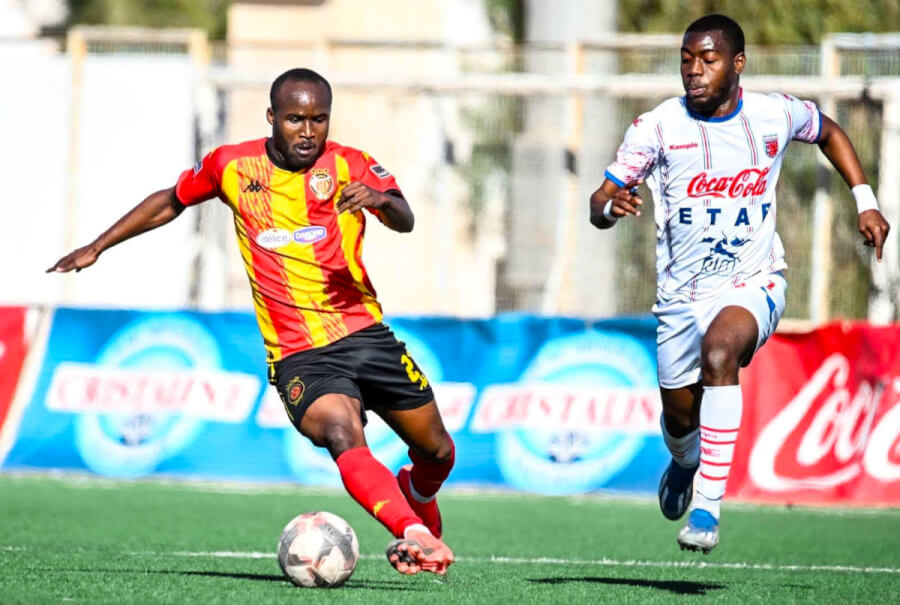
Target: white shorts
(681, 326)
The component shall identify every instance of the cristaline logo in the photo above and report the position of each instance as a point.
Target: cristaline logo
(574, 407)
(827, 434)
(749, 182)
(208, 394)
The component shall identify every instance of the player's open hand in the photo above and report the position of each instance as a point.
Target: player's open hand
(356, 196)
(76, 260)
(626, 200)
(874, 228)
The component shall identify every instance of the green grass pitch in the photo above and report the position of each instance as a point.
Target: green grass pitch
(71, 540)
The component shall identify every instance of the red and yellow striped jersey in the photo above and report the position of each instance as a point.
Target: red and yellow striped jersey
(303, 258)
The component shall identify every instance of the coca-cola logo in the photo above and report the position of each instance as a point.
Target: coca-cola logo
(827, 434)
(750, 182)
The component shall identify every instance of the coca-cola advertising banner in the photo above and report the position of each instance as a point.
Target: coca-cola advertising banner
(821, 421)
(12, 354)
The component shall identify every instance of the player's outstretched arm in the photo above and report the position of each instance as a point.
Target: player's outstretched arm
(836, 146)
(611, 202)
(157, 209)
(392, 209)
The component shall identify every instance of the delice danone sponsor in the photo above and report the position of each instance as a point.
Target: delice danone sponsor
(310, 235)
(273, 238)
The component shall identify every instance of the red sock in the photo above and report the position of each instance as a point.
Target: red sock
(427, 477)
(375, 488)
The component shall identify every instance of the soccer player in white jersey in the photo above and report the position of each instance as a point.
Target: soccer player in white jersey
(711, 160)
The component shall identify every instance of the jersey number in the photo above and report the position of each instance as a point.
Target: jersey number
(415, 376)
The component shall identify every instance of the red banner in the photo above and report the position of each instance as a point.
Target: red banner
(12, 354)
(821, 422)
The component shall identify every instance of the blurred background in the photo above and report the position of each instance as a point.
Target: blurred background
(498, 118)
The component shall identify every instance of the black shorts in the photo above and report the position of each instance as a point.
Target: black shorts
(370, 365)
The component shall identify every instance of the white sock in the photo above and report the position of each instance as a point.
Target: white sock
(415, 527)
(685, 450)
(720, 419)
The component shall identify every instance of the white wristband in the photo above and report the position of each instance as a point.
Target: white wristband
(865, 198)
(607, 212)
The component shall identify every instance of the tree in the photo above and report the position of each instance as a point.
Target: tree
(794, 22)
(210, 15)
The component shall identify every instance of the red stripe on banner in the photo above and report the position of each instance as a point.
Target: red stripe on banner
(708, 428)
(12, 354)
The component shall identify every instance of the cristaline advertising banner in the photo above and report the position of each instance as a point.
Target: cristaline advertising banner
(546, 405)
(821, 421)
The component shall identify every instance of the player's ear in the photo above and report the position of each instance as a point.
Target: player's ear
(270, 116)
(740, 62)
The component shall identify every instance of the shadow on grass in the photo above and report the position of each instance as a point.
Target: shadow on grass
(398, 584)
(675, 586)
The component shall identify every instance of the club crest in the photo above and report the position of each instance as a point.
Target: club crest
(771, 145)
(321, 183)
(295, 389)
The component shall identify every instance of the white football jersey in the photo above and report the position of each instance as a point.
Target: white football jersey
(713, 185)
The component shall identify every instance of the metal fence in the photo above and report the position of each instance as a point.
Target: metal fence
(500, 147)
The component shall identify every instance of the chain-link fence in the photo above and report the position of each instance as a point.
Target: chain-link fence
(499, 148)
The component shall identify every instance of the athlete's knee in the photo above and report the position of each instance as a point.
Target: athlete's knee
(719, 359)
(341, 435)
(441, 450)
(678, 422)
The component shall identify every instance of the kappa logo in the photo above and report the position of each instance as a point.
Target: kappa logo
(254, 186)
(683, 146)
(770, 142)
(379, 171)
(295, 389)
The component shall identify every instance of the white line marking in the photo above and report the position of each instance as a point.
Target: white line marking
(552, 561)
(604, 562)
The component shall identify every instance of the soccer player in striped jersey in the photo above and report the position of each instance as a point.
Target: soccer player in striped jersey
(298, 202)
(711, 159)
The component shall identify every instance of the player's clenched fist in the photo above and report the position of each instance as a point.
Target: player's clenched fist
(625, 201)
(356, 196)
(611, 202)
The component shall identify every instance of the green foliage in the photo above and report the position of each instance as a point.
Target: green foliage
(795, 22)
(507, 17)
(210, 15)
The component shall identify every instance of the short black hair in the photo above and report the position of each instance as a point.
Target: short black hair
(298, 74)
(731, 31)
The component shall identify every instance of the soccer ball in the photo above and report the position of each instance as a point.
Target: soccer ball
(318, 550)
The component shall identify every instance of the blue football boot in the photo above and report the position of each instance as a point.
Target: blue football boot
(676, 489)
(701, 532)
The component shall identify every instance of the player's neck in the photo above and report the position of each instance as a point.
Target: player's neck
(278, 160)
(724, 110)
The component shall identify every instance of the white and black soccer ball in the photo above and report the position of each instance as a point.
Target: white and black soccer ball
(318, 550)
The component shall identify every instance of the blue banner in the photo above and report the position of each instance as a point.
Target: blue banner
(547, 405)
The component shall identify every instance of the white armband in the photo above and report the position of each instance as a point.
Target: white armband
(607, 212)
(865, 198)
